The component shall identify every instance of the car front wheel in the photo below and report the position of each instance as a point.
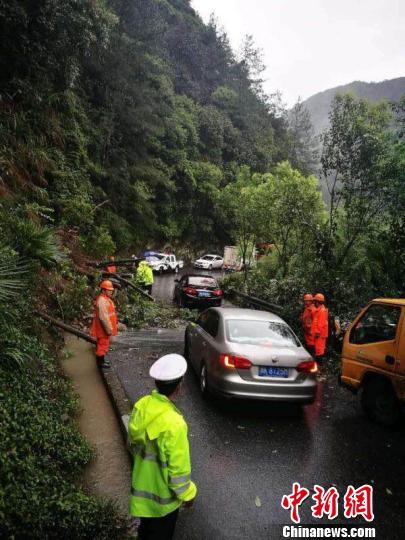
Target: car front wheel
(379, 402)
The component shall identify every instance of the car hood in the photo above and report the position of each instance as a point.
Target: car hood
(271, 355)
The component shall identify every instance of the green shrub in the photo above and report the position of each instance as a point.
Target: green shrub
(75, 299)
(42, 455)
(138, 312)
(99, 242)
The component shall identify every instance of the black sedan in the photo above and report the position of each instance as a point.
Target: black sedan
(197, 291)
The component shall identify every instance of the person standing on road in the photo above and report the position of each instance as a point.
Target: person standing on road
(157, 432)
(320, 326)
(104, 323)
(144, 276)
(306, 321)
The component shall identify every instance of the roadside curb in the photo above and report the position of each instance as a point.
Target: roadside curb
(119, 399)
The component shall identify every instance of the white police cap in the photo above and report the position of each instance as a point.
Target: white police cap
(168, 368)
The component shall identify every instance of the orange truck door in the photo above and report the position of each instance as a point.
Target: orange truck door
(400, 364)
(372, 341)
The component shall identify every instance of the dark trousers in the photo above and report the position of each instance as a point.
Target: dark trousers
(147, 288)
(158, 528)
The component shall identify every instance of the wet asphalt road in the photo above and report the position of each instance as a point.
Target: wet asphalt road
(244, 450)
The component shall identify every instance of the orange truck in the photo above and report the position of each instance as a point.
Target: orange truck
(373, 359)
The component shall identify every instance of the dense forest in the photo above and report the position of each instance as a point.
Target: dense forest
(127, 124)
(124, 119)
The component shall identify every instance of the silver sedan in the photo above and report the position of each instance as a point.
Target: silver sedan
(249, 354)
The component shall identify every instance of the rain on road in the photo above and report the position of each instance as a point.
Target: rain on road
(246, 455)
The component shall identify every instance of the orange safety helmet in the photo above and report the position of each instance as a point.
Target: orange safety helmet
(308, 297)
(319, 297)
(106, 285)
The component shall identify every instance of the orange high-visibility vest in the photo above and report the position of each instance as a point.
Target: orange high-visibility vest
(320, 322)
(306, 320)
(112, 269)
(97, 329)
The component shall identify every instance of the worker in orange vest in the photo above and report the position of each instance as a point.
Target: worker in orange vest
(111, 268)
(105, 322)
(320, 328)
(306, 321)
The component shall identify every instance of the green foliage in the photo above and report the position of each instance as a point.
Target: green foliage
(75, 299)
(274, 208)
(237, 202)
(291, 213)
(353, 250)
(99, 242)
(42, 454)
(356, 166)
(138, 111)
(11, 278)
(138, 312)
(35, 242)
(303, 152)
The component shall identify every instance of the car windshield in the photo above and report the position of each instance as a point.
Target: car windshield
(262, 333)
(201, 281)
(208, 257)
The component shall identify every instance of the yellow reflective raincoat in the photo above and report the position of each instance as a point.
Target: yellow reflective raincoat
(144, 274)
(161, 478)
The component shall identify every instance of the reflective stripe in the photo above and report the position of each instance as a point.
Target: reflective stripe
(152, 496)
(179, 479)
(149, 456)
(182, 489)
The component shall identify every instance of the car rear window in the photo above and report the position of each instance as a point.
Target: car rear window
(201, 281)
(262, 333)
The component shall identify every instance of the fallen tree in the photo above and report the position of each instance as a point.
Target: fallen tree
(66, 327)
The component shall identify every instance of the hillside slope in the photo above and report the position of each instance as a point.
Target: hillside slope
(319, 104)
(127, 118)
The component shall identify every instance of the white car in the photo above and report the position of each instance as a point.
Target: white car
(162, 262)
(158, 263)
(209, 262)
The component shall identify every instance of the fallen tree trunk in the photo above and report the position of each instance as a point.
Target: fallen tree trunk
(129, 284)
(65, 327)
(257, 301)
(116, 263)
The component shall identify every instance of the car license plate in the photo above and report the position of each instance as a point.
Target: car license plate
(203, 294)
(273, 372)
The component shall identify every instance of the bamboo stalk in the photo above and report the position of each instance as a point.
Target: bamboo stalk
(129, 284)
(253, 300)
(66, 327)
(116, 263)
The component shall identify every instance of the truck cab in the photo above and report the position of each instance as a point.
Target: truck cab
(373, 359)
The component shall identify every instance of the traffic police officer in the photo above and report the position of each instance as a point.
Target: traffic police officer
(161, 478)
